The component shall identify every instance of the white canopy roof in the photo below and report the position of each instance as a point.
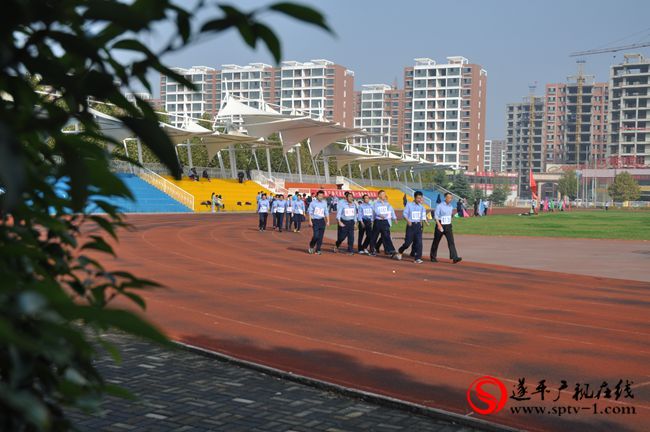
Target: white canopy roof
(292, 128)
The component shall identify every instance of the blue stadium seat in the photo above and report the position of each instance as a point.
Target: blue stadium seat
(432, 194)
(148, 199)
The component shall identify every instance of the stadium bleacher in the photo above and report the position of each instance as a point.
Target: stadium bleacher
(236, 196)
(148, 199)
(432, 194)
(395, 196)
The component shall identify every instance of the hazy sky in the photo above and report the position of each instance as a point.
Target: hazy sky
(517, 42)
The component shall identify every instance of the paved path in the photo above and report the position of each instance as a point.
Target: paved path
(182, 391)
(623, 259)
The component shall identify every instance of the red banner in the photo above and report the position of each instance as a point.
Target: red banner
(341, 193)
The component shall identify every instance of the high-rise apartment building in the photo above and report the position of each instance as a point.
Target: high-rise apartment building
(181, 102)
(629, 112)
(494, 156)
(444, 112)
(379, 111)
(319, 87)
(524, 138)
(256, 82)
(569, 107)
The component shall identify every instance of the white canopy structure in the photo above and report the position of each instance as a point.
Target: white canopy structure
(366, 158)
(292, 128)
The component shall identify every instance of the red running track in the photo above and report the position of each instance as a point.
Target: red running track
(418, 333)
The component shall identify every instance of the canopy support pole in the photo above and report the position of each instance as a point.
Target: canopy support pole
(361, 171)
(390, 183)
(268, 162)
(370, 174)
(257, 164)
(233, 161)
(139, 152)
(349, 170)
(286, 159)
(326, 168)
(189, 153)
(221, 166)
(298, 157)
(420, 179)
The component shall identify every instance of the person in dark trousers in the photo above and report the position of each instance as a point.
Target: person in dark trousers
(346, 215)
(405, 200)
(240, 176)
(319, 218)
(384, 214)
(274, 218)
(365, 216)
(443, 216)
(459, 207)
(263, 207)
(415, 216)
(205, 175)
(289, 213)
(280, 209)
(475, 207)
(298, 214)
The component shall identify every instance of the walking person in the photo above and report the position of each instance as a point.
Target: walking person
(319, 218)
(415, 216)
(443, 216)
(365, 216)
(273, 214)
(298, 214)
(263, 207)
(384, 214)
(289, 213)
(346, 215)
(213, 201)
(280, 209)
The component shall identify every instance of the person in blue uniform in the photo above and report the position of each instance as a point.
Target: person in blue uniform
(280, 208)
(365, 216)
(298, 214)
(263, 207)
(346, 215)
(443, 217)
(384, 215)
(289, 213)
(319, 218)
(415, 216)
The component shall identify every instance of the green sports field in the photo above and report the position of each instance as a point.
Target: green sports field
(614, 224)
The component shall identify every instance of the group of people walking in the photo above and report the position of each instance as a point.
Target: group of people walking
(287, 213)
(373, 221)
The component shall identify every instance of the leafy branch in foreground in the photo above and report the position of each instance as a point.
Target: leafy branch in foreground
(56, 297)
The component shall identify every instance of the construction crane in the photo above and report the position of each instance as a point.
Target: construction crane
(612, 49)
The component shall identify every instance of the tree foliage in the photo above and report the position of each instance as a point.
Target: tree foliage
(500, 194)
(56, 297)
(461, 186)
(624, 188)
(568, 184)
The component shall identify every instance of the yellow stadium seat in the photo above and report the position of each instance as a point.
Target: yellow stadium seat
(231, 191)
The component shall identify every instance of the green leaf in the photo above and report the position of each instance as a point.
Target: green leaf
(302, 13)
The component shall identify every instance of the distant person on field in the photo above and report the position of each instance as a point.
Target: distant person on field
(298, 214)
(289, 212)
(405, 200)
(213, 200)
(193, 174)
